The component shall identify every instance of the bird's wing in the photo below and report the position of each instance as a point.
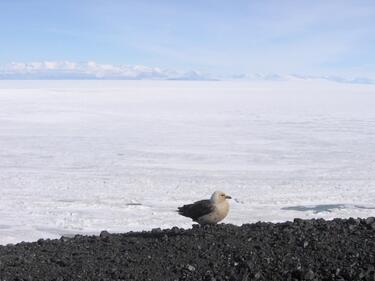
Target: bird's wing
(197, 209)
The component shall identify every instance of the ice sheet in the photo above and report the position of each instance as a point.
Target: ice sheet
(84, 156)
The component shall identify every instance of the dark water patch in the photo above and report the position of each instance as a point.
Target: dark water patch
(4, 226)
(316, 208)
(133, 204)
(66, 200)
(325, 207)
(364, 207)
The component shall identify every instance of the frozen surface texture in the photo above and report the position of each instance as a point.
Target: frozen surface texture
(83, 156)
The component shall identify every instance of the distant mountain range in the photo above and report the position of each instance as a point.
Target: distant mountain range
(91, 70)
(59, 70)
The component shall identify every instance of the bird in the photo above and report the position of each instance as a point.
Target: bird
(207, 211)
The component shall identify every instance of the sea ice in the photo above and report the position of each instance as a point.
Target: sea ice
(83, 156)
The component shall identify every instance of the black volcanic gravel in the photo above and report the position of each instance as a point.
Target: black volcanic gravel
(299, 250)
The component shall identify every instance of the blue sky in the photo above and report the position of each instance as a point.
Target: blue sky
(221, 37)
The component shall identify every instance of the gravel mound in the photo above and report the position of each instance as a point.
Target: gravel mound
(298, 250)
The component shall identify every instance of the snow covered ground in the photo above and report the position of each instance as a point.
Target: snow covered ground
(83, 156)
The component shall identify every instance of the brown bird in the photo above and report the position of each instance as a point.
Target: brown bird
(207, 211)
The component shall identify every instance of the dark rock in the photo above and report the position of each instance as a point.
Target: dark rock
(309, 275)
(104, 234)
(156, 230)
(65, 239)
(190, 267)
(370, 220)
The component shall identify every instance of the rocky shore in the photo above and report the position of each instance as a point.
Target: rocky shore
(341, 249)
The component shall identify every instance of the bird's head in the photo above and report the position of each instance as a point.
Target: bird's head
(219, 196)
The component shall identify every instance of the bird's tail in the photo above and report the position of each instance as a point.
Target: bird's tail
(183, 210)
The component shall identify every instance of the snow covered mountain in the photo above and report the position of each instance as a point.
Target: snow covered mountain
(91, 70)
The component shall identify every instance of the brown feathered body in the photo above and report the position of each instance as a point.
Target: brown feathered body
(207, 211)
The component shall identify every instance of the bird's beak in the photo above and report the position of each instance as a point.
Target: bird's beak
(228, 197)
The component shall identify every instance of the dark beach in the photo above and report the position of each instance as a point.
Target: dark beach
(341, 249)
